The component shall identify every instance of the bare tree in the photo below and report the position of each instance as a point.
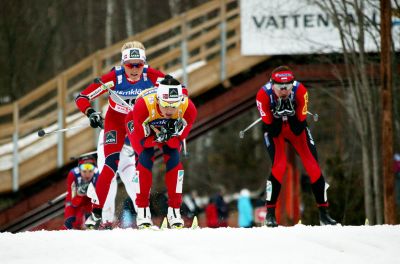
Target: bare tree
(109, 22)
(128, 18)
(363, 99)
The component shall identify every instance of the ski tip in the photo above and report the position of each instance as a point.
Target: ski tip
(164, 223)
(195, 223)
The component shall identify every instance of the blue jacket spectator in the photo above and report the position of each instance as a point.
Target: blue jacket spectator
(245, 209)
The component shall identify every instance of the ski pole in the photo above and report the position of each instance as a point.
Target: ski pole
(42, 133)
(97, 80)
(241, 133)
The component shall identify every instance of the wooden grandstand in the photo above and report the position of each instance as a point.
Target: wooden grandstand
(201, 47)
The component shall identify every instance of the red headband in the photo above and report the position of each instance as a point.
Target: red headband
(282, 77)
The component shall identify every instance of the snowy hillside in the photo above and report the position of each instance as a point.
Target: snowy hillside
(299, 244)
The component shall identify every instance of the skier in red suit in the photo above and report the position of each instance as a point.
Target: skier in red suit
(77, 204)
(282, 103)
(127, 80)
(161, 118)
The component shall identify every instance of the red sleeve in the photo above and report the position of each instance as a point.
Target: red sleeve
(301, 103)
(154, 74)
(263, 105)
(93, 91)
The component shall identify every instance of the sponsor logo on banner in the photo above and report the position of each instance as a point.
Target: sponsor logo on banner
(276, 27)
(110, 137)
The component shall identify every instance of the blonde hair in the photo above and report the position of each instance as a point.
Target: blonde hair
(132, 44)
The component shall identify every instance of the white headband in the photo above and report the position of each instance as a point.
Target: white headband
(133, 54)
(169, 93)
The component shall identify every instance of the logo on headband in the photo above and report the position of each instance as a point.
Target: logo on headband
(173, 93)
(135, 54)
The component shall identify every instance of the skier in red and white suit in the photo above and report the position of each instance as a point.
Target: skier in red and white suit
(77, 204)
(282, 103)
(127, 80)
(161, 118)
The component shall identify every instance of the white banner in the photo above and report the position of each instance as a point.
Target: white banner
(272, 27)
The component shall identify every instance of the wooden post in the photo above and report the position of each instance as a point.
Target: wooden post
(61, 112)
(387, 115)
(223, 40)
(185, 52)
(15, 172)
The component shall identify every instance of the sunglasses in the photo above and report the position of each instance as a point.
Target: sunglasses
(86, 167)
(134, 65)
(168, 104)
(283, 86)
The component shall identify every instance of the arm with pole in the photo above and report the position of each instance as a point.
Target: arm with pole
(241, 133)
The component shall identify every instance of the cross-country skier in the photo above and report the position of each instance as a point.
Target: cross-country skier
(127, 80)
(282, 103)
(161, 118)
(77, 204)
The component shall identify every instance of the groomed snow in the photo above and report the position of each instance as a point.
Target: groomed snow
(298, 244)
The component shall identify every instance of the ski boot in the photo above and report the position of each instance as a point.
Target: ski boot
(174, 218)
(324, 217)
(143, 218)
(94, 220)
(270, 220)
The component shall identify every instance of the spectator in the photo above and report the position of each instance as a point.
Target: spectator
(212, 214)
(223, 209)
(245, 209)
(189, 208)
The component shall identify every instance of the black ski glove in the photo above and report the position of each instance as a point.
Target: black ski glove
(163, 135)
(175, 126)
(96, 120)
(82, 188)
(275, 128)
(296, 125)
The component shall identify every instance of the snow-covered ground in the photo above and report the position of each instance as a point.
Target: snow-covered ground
(298, 244)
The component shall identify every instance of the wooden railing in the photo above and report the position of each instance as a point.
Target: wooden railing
(200, 47)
